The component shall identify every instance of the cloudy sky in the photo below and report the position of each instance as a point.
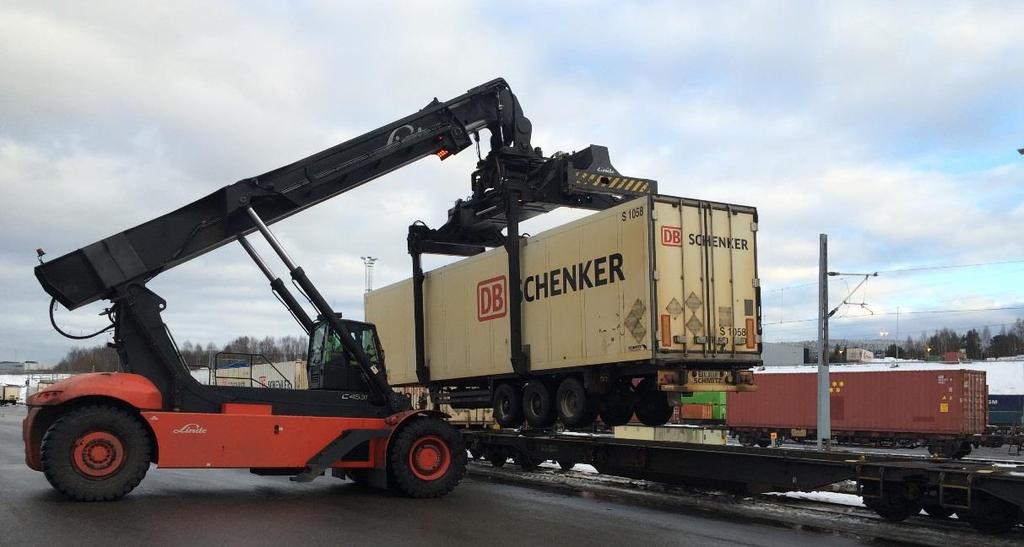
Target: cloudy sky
(893, 129)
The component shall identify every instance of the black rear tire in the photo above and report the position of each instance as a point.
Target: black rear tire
(652, 405)
(539, 404)
(616, 407)
(508, 405)
(96, 453)
(426, 458)
(575, 408)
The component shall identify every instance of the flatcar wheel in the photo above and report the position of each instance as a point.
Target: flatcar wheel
(893, 507)
(426, 458)
(526, 463)
(938, 511)
(566, 465)
(497, 459)
(96, 453)
(992, 515)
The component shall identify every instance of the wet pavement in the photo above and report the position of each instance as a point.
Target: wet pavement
(233, 507)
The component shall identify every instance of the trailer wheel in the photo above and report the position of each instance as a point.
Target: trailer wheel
(616, 408)
(652, 405)
(538, 404)
(575, 408)
(508, 405)
(95, 453)
(426, 458)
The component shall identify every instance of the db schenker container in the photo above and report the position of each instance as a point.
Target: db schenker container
(942, 409)
(621, 310)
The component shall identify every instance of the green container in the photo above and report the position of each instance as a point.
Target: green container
(704, 397)
(714, 398)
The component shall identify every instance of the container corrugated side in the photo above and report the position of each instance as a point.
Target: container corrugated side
(932, 402)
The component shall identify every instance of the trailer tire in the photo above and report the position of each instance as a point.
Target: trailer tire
(96, 453)
(539, 404)
(616, 407)
(575, 407)
(652, 405)
(426, 458)
(508, 405)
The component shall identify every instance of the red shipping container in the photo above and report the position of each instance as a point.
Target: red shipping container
(927, 401)
(696, 411)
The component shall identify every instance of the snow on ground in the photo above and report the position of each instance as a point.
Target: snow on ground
(823, 497)
(1004, 377)
(580, 467)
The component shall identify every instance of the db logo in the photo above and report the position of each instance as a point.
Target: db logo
(491, 298)
(672, 236)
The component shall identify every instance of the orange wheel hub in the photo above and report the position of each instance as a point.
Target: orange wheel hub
(97, 455)
(429, 458)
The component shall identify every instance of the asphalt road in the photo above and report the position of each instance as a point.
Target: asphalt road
(232, 507)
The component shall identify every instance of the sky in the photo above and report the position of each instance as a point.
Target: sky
(893, 128)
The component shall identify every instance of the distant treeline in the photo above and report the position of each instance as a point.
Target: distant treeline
(976, 344)
(104, 359)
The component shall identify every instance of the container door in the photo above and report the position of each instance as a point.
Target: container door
(707, 290)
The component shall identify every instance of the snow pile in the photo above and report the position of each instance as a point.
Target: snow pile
(836, 498)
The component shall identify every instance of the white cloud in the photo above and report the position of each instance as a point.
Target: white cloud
(892, 128)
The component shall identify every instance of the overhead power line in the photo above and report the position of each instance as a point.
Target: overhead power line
(915, 269)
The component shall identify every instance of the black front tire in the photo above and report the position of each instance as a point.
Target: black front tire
(96, 453)
(444, 443)
(508, 405)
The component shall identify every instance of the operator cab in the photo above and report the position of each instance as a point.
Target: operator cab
(331, 366)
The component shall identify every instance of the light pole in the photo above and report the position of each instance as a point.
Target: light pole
(368, 271)
(368, 263)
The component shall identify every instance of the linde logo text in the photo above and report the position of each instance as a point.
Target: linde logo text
(190, 429)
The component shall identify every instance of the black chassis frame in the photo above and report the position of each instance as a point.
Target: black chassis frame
(957, 485)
